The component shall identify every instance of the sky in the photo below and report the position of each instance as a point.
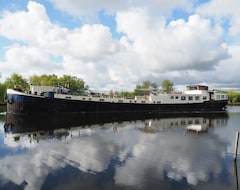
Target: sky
(115, 45)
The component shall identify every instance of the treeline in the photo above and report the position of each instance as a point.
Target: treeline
(75, 84)
(234, 97)
(72, 82)
(146, 87)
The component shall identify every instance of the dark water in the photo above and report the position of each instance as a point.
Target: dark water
(168, 152)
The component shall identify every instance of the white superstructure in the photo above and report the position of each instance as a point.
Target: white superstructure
(192, 94)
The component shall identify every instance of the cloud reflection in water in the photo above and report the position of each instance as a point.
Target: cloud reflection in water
(142, 159)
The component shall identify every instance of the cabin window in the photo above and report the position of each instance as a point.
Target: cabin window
(218, 97)
(176, 97)
(183, 98)
(183, 122)
(197, 98)
(159, 102)
(172, 97)
(101, 100)
(120, 101)
(83, 98)
(190, 98)
(197, 121)
(143, 101)
(204, 97)
(222, 96)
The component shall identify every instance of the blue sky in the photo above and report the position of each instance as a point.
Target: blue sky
(118, 44)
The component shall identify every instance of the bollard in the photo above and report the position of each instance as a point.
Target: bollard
(236, 146)
(236, 174)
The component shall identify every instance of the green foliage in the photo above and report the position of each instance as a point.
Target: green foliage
(144, 89)
(2, 92)
(72, 82)
(18, 81)
(234, 97)
(167, 86)
(77, 84)
(127, 94)
(111, 93)
(44, 80)
(139, 91)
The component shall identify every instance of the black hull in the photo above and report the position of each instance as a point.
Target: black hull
(21, 104)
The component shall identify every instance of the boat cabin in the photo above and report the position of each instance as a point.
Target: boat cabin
(40, 90)
(197, 87)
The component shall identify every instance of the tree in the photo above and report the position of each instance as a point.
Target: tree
(53, 80)
(17, 80)
(167, 86)
(111, 93)
(234, 97)
(145, 88)
(44, 80)
(35, 80)
(2, 92)
(72, 82)
(127, 94)
(139, 91)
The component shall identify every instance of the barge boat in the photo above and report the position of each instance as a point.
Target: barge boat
(45, 99)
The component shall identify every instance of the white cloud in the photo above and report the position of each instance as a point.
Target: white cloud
(25, 26)
(48, 157)
(27, 60)
(226, 71)
(222, 11)
(42, 39)
(91, 42)
(87, 8)
(150, 48)
(194, 44)
(90, 8)
(174, 157)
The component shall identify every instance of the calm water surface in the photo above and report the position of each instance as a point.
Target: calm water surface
(168, 152)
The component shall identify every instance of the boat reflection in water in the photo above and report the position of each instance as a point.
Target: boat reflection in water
(46, 127)
(130, 152)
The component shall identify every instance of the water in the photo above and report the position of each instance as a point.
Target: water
(168, 152)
